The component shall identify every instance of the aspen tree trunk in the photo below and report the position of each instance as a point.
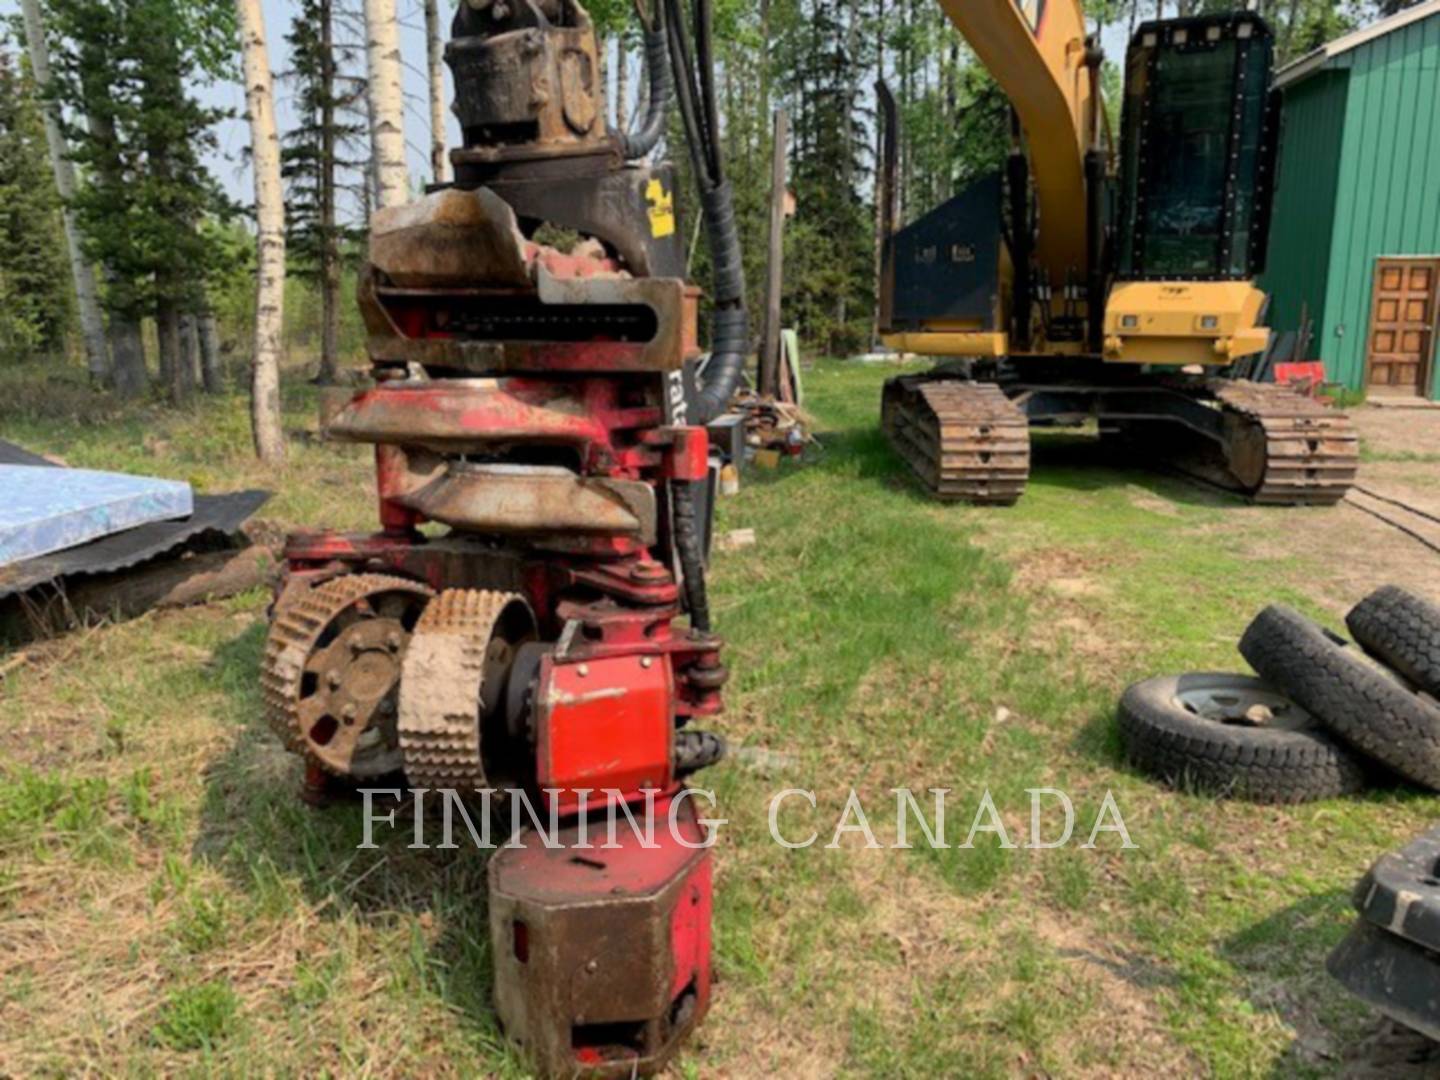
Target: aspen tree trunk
(190, 350)
(87, 295)
(622, 85)
(387, 104)
(435, 55)
(270, 217)
(329, 231)
(879, 230)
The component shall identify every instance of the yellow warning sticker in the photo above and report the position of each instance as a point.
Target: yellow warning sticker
(662, 210)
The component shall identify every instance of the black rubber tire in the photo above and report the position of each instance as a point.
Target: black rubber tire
(1366, 707)
(1259, 764)
(1402, 631)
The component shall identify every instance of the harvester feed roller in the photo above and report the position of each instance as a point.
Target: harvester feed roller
(332, 665)
(453, 688)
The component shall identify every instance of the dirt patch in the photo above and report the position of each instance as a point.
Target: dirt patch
(1398, 431)
(1142, 499)
(1072, 603)
(1356, 551)
(1134, 1028)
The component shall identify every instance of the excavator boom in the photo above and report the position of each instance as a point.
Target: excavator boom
(1036, 52)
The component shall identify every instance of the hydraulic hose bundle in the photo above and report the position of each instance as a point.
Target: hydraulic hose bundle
(642, 140)
(695, 93)
(694, 77)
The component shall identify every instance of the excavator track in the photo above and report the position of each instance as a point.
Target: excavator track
(332, 661)
(1285, 449)
(454, 678)
(966, 441)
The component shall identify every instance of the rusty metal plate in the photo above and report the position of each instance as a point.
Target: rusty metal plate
(450, 237)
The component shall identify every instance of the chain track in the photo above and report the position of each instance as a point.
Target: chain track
(1310, 452)
(441, 687)
(299, 620)
(966, 441)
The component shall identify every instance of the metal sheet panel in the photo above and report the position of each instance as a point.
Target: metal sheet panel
(217, 515)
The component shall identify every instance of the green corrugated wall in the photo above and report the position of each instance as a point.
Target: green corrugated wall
(1383, 188)
(1299, 255)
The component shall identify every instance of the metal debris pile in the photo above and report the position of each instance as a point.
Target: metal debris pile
(773, 425)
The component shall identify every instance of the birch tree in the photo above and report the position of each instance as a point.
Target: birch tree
(435, 57)
(387, 104)
(87, 295)
(270, 218)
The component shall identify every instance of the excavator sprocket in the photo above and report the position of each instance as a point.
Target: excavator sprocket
(332, 661)
(454, 680)
(966, 440)
(1286, 449)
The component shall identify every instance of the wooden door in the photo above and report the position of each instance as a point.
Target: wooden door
(1402, 326)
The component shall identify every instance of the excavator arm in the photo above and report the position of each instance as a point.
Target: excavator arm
(1035, 51)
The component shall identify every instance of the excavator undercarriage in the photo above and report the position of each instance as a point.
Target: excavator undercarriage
(969, 441)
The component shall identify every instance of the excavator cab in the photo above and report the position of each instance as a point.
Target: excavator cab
(1197, 150)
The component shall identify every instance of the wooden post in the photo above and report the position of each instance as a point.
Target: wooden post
(775, 277)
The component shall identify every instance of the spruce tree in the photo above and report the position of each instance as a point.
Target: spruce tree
(320, 155)
(36, 305)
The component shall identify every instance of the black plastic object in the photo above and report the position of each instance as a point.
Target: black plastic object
(696, 750)
(215, 517)
(1392, 975)
(1391, 959)
(1401, 892)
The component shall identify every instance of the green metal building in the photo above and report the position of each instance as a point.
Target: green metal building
(1355, 237)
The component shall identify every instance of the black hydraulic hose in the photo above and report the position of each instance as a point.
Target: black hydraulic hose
(638, 143)
(691, 549)
(730, 326)
(695, 94)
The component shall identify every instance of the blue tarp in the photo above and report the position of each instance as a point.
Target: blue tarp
(44, 509)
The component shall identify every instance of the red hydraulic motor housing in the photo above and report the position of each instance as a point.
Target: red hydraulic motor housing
(531, 615)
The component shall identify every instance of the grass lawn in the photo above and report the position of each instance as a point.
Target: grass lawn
(168, 905)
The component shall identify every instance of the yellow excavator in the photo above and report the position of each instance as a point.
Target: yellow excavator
(1096, 281)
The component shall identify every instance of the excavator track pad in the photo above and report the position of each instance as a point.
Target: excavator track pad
(1285, 449)
(966, 441)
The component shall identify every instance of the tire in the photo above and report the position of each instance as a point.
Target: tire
(1365, 706)
(1170, 733)
(1402, 631)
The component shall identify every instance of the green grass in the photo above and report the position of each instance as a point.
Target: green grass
(154, 855)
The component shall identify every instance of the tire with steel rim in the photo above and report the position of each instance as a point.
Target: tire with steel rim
(1402, 631)
(1233, 735)
(1363, 704)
